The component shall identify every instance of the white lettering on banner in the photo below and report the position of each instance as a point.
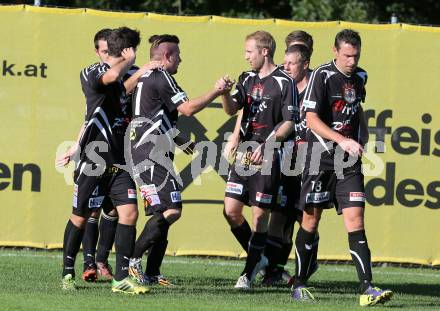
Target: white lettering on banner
(234, 188)
(357, 196)
(318, 197)
(96, 202)
(175, 196)
(263, 198)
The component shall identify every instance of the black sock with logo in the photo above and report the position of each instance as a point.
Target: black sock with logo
(107, 231)
(360, 253)
(72, 242)
(124, 244)
(256, 249)
(90, 238)
(303, 250)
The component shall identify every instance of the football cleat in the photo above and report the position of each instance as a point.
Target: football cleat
(68, 282)
(261, 265)
(90, 274)
(129, 286)
(158, 279)
(273, 278)
(104, 270)
(243, 283)
(374, 295)
(302, 293)
(135, 270)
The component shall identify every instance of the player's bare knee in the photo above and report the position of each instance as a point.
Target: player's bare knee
(172, 215)
(310, 222)
(95, 214)
(112, 213)
(78, 221)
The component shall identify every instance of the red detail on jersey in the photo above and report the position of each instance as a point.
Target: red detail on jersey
(338, 105)
(256, 126)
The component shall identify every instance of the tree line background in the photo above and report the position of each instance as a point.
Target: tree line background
(425, 12)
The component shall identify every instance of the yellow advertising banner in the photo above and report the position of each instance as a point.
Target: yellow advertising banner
(42, 107)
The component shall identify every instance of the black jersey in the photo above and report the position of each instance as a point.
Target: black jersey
(336, 98)
(107, 116)
(155, 114)
(266, 102)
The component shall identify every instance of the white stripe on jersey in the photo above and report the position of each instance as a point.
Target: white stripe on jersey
(151, 129)
(100, 127)
(250, 74)
(312, 80)
(280, 81)
(167, 134)
(295, 91)
(167, 122)
(81, 170)
(104, 117)
(84, 75)
(321, 140)
(170, 81)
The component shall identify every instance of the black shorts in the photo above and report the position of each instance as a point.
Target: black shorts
(325, 190)
(255, 188)
(159, 189)
(288, 196)
(113, 188)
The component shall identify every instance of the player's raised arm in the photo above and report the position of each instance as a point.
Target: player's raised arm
(131, 82)
(117, 71)
(192, 106)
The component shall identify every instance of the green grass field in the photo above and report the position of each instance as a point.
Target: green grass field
(29, 280)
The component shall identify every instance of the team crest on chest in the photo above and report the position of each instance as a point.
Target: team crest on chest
(349, 93)
(257, 92)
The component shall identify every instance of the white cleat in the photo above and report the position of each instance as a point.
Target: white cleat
(243, 283)
(261, 265)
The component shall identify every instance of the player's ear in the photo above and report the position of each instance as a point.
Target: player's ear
(264, 52)
(306, 65)
(335, 51)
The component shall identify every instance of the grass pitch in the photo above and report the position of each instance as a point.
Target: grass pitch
(30, 280)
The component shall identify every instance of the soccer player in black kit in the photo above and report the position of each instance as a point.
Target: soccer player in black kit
(97, 174)
(268, 97)
(332, 170)
(158, 100)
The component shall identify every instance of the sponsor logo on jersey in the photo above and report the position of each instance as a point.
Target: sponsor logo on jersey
(257, 92)
(357, 196)
(132, 194)
(349, 93)
(309, 104)
(149, 195)
(96, 202)
(75, 196)
(176, 196)
(263, 198)
(147, 190)
(232, 187)
(178, 97)
(318, 197)
(338, 105)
